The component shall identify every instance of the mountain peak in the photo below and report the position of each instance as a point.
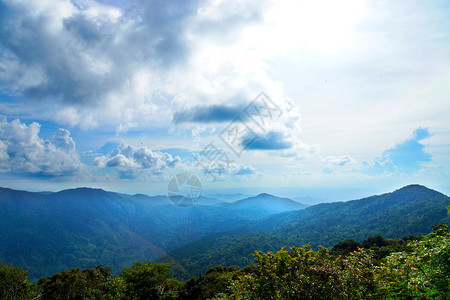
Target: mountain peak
(83, 191)
(88, 189)
(265, 195)
(414, 187)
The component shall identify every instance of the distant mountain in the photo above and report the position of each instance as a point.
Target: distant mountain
(309, 200)
(411, 210)
(209, 201)
(268, 203)
(164, 200)
(229, 197)
(49, 232)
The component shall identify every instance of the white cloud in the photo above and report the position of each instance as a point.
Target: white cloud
(237, 169)
(133, 66)
(131, 162)
(72, 117)
(363, 73)
(338, 160)
(23, 151)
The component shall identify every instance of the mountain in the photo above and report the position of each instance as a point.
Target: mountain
(229, 197)
(83, 227)
(267, 203)
(411, 210)
(52, 231)
(209, 201)
(309, 200)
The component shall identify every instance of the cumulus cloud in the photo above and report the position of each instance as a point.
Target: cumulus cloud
(232, 168)
(406, 157)
(87, 54)
(338, 160)
(23, 151)
(244, 170)
(149, 60)
(131, 162)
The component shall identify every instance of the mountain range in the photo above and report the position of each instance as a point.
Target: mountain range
(48, 232)
(411, 210)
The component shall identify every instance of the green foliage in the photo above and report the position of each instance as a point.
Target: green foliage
(146, 280)
(114, 288)
(302, 273)
(383, 247)
(206, 286)
(198, 257)
(423, 273)
(75, 284)
(345, 247)
(14, 284)
(409, 268)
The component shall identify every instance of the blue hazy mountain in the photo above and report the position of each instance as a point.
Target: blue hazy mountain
(49, 232)
(229, 197)
(309, 200)
(267, 204)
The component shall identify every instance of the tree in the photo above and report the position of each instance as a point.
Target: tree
(14, 283)
(345, 247)
(302, 273)
(76, 284)
(377, 241)
(214, 281)
(146, 280)
(63, 285)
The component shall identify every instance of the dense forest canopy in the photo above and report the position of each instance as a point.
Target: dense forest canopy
(408, 268)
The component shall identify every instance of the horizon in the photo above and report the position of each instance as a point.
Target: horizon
(310, 200)
(297, 99)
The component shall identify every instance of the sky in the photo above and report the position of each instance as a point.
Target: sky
(329, 99)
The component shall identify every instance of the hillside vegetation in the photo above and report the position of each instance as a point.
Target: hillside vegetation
(408, 269)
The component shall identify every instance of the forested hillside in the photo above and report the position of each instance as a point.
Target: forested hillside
(47, 232)
(411, 210)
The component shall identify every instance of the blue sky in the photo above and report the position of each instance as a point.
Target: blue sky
(123, 95)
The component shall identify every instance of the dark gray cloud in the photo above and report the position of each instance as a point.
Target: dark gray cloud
(270, 141)
(67, 58)
(209, 114)
(87, 31)
(60, 57)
